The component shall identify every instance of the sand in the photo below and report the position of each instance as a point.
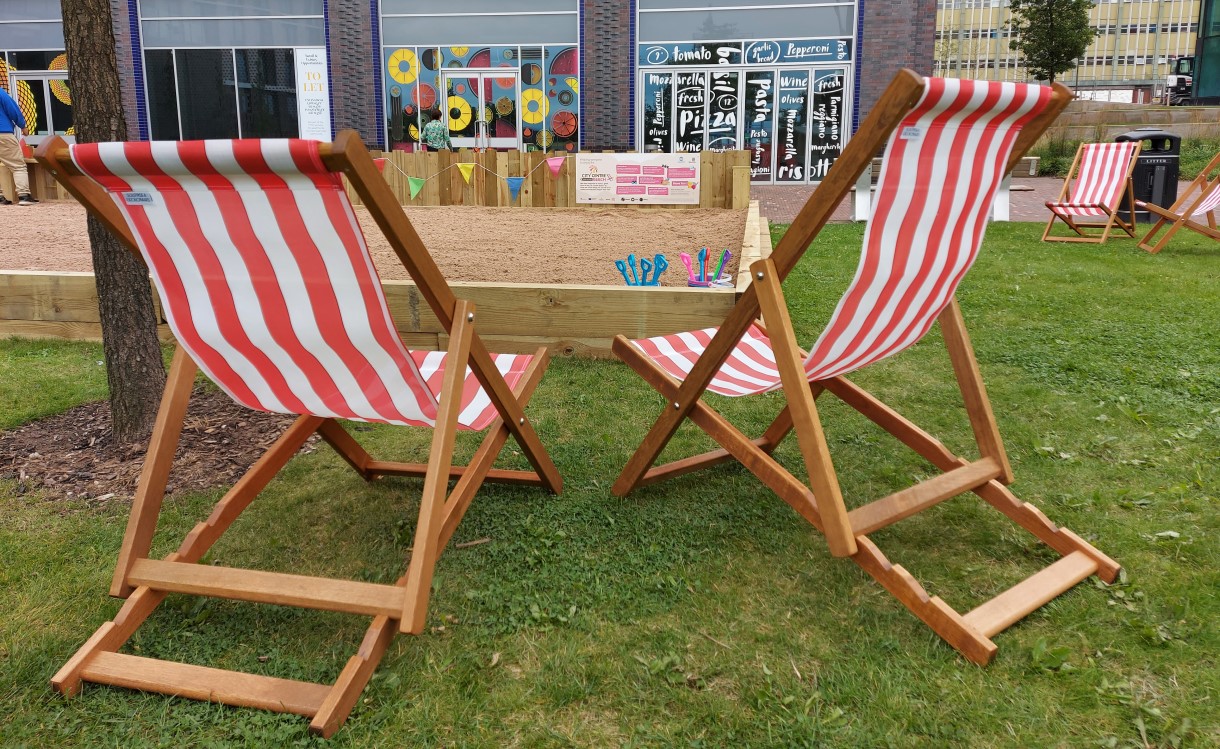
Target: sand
(545, 246)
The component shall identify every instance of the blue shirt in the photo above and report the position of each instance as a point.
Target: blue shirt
(11, 117)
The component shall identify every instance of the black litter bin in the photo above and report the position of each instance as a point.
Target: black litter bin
(1155, 178)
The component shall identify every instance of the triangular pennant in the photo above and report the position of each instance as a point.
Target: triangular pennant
(466, 168)
(415, 184)
(380, 164)
(514, 185)
(555, 163)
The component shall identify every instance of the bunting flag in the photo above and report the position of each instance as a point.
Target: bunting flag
(514, 185)
(416, 184)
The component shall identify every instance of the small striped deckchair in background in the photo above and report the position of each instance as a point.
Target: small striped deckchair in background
(268, 287)
(1199, 201)
(950, 142)
(1102, 174)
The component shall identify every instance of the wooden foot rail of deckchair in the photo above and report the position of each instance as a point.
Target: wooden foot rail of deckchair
(309, 333)
(1197, 204)
(1096, 187)
(925, 217)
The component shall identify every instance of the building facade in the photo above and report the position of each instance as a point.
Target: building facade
(787, 79)
(1130, 57)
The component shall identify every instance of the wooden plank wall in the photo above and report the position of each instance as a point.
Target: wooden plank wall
(570, 319)
(724, 177)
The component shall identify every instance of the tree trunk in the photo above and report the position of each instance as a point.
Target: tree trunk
(134, 367)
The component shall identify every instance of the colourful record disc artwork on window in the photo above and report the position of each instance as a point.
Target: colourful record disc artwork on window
(424, 96)
(507, 81)
(24, 96)
(459, 113)
(564, 123)
(534, 106)
(59, 88)
(564, 63)
(403, 66)
(527, 95)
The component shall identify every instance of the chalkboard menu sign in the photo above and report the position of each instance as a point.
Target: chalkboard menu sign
(658, 113)
(825, 122)
(688, 105)
(759, 111)
(790, 131)
(722, 110)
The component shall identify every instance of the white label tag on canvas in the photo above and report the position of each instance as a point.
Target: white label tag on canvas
(138, 198)
(910, 132)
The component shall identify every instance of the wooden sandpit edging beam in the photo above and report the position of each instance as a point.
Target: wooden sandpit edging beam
(572, 319)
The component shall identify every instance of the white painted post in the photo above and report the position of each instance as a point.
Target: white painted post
(1000, 209)
(863, 204)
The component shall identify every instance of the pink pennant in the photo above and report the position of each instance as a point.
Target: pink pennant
(555, 163)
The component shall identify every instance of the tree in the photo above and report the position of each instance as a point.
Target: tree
(134, 368)
(1051, 34)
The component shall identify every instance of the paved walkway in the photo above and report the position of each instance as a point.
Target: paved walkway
(779, 204)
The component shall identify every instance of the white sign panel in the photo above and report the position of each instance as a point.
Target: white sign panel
(313, 95)
(637, 178)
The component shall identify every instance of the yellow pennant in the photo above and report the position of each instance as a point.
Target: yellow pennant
(466, 168)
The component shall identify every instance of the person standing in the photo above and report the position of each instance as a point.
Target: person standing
(12, 121)
(436, 135)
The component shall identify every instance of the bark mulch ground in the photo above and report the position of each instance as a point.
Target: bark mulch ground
(73, 456)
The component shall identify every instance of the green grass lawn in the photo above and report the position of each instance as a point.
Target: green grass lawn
(703, 612)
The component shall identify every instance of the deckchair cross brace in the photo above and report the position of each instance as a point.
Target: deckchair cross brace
(267, 284)
(1093, 193)
(1198, 203)
(949, 144)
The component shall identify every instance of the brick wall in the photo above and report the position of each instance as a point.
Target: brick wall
(353, 76)
(122, 13)
(606, 75)
(898, 34)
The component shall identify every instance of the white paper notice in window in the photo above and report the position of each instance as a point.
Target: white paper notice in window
(313, 94)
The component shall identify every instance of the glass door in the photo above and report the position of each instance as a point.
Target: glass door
(483, 108)
(47, 98)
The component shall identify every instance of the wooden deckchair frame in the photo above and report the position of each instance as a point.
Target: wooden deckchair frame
(1113, 218)
(1181, 215)
(821, 502)
(402, 607)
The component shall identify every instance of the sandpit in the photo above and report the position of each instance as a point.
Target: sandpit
(495, 245)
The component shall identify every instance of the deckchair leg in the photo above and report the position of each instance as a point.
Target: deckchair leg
(432, 503)
(480, 464)
(354, 678)
(974, 393)
(146, 506)
(934, 612)
(809, 434)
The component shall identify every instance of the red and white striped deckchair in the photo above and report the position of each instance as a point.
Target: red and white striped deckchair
(1199, 201)
(1102, 173)
(268, 287)
(948, 144)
